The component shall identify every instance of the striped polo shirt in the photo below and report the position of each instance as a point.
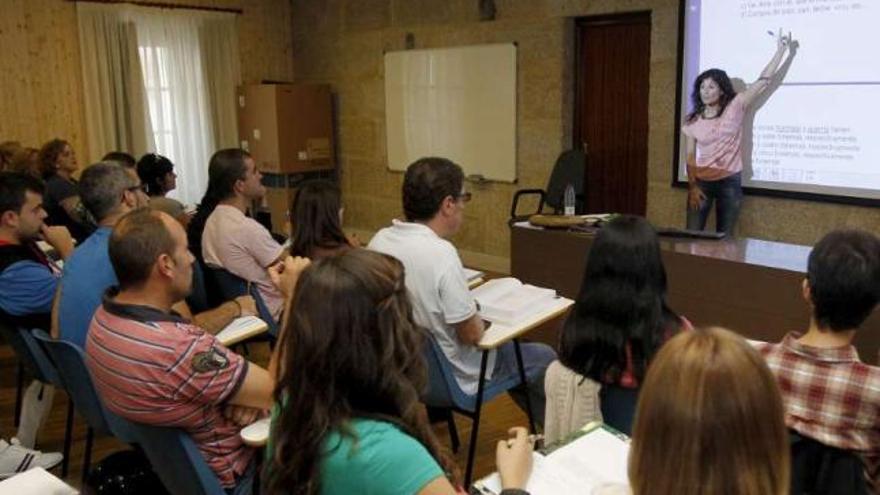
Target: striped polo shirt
(156, 368)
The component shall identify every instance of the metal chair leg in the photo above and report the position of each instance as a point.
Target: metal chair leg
(525, 384)
(87, 455)
(19, 381)
(68, 433)
(453, 431)
(476, 421)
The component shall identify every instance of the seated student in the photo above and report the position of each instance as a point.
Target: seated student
(433, 202)
(109, 191)
(157, 174)
(709, 421)
(152, 366)
(58, 163)
(348, 418)
(28, 280)
(619, 320)
(830, 395)
(26, 161)
(316, 221)
(226, 236)
(8, 149)
(122, 158)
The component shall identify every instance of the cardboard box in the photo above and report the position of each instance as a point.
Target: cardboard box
(288, 128)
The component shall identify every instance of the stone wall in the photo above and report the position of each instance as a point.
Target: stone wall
(341, 42)
(41, 80)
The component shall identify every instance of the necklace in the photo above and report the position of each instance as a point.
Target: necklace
(707, 116)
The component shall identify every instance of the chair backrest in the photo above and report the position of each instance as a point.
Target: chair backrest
(818, 469)
(618, 405)
(443, 390)
(71, 365)
(173, 455)
(232, 286)
(31, 354)
(198, 299)
(570, 168)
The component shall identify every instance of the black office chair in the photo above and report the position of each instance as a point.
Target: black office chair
(817, 469)
(570, 168)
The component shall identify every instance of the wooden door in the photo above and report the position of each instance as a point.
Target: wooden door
(611, 110)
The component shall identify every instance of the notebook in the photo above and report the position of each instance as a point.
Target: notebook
(256, 434)
(595, 458)
(241, 328)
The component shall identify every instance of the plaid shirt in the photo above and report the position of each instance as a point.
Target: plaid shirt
(830, 396)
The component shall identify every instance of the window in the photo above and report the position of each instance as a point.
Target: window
(158, 90)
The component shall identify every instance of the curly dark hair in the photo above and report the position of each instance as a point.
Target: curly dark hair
(152, 169)
(727, 92)
(427, 182)
(49, 156)
(351, 350)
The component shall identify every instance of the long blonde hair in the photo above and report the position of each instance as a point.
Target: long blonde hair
(709, 421)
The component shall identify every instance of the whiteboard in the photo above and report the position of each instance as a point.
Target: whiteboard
(457, 103)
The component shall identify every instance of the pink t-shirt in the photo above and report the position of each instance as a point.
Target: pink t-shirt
(719, 142)
(245, 248)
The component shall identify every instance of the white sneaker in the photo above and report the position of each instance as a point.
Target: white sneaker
(16, 459)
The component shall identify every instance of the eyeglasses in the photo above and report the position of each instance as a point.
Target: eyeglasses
(464, 197)
(140, 187)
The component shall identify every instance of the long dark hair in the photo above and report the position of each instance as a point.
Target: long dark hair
(727, 92)
(314, 216)
(350, 350)
(224, 170)
(152, 169)
(622, 302)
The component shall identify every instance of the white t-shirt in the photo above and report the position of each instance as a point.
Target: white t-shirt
(438, 290)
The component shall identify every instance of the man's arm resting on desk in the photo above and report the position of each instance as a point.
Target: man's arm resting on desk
(470, 331)
(256, 389)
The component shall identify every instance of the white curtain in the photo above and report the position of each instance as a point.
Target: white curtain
(189, 61)
(178, 91)
(113, 92)
(220, 62)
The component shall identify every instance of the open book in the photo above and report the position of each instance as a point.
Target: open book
(241, 328)
(474, 277)
(508, 301)
(598, 457)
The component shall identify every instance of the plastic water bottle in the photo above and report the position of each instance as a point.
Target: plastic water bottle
(568, 200)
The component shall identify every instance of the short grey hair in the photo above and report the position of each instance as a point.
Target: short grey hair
(101, 187)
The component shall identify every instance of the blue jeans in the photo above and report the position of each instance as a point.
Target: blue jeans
(727, 192)
(244, 484)
(536, 357)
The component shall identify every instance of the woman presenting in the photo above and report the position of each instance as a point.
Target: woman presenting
(713, 136)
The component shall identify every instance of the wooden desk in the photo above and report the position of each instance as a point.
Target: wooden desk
(748, 285)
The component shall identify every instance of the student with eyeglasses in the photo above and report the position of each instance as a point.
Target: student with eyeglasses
(434, 200)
